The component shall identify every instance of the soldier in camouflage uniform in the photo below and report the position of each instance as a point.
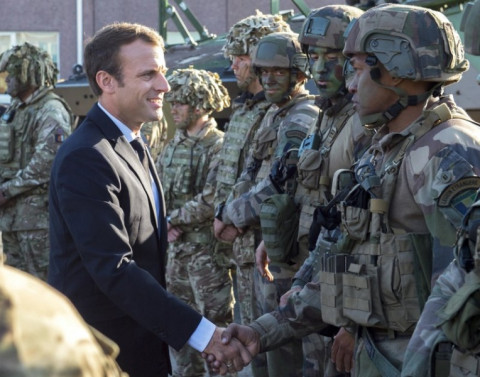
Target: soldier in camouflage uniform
(31, 130)
(451, 313)
(283, 69)
(43, 335)
(188, 166)
(335, 141)
(412, 189)
(248, 110)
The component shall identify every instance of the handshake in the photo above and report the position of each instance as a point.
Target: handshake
(231, 349)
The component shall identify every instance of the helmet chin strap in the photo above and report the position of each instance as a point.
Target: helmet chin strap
(376, 120)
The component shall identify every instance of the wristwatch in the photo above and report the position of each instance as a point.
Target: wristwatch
(219, 211)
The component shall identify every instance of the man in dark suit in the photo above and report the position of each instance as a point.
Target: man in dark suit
(107, 219)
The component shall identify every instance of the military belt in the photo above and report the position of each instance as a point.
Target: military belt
(379, 335)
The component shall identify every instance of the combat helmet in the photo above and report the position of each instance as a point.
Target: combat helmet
(280, 50)
(325, 26)
(246, 33)
(412, 43)
(198, 88)
(30, 65)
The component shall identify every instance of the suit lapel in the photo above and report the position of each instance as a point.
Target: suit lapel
(123, 148)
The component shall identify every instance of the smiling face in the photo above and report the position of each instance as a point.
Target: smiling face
(327, 70)
(138, 96)
(276, 84)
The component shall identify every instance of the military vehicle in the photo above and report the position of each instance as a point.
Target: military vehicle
(205, 52)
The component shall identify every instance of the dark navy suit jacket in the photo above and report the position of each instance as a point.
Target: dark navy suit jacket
(107, 246)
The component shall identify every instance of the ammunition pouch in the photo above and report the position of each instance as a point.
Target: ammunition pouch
(463, 364)
(380, 289)
(264, 143)
(7, 143)
(309, 170)
(279, 217)
(330, 279)
(355, 214)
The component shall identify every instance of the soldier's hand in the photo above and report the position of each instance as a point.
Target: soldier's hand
(173, 233)
(218, 227)
(226, 356)
(262, 261)
(286, 295)
(229, 233)
(342, 350)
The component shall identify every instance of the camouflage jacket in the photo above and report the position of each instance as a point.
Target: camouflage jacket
(34, 131)
(343, 139)
(454, 299)
(282, 129)
(437, 180)
(248, 112)
(188, 168)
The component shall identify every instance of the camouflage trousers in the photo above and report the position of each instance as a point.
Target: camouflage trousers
(28, 251)
(249, 290)
(195, 278)
(286, 360)
(392, 349)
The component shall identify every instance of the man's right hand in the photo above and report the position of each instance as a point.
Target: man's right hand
(249, 338)
(224, 232)
(173, 232)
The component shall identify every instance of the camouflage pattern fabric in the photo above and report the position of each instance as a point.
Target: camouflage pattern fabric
(246, 33)
(285, 130)
(453, 302)
(156, 134)
(198, 88)
(188, 167)
(289, 128)
(344, 140)
(36, 129)
(439, 176)
(436, 42)
(43, 335)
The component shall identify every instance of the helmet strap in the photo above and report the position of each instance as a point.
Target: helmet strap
(378, 119)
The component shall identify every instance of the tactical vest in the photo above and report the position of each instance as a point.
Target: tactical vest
(383, 278)
(241, 129)
(266, 145)
(279, 213)
(185, 163)
(313, 165)
(16, 129)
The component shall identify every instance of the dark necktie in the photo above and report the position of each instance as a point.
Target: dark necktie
(140, 148)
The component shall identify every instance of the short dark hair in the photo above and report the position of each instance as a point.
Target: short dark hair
(101, 51)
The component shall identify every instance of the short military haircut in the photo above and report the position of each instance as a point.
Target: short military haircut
(102, 50)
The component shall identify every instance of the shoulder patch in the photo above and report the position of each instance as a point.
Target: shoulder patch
(295, 134)
(60, 136)
(461, 194)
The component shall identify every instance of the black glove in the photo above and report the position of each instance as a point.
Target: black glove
(329, 218)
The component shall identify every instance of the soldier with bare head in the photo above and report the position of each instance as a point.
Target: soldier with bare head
(31, 130)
